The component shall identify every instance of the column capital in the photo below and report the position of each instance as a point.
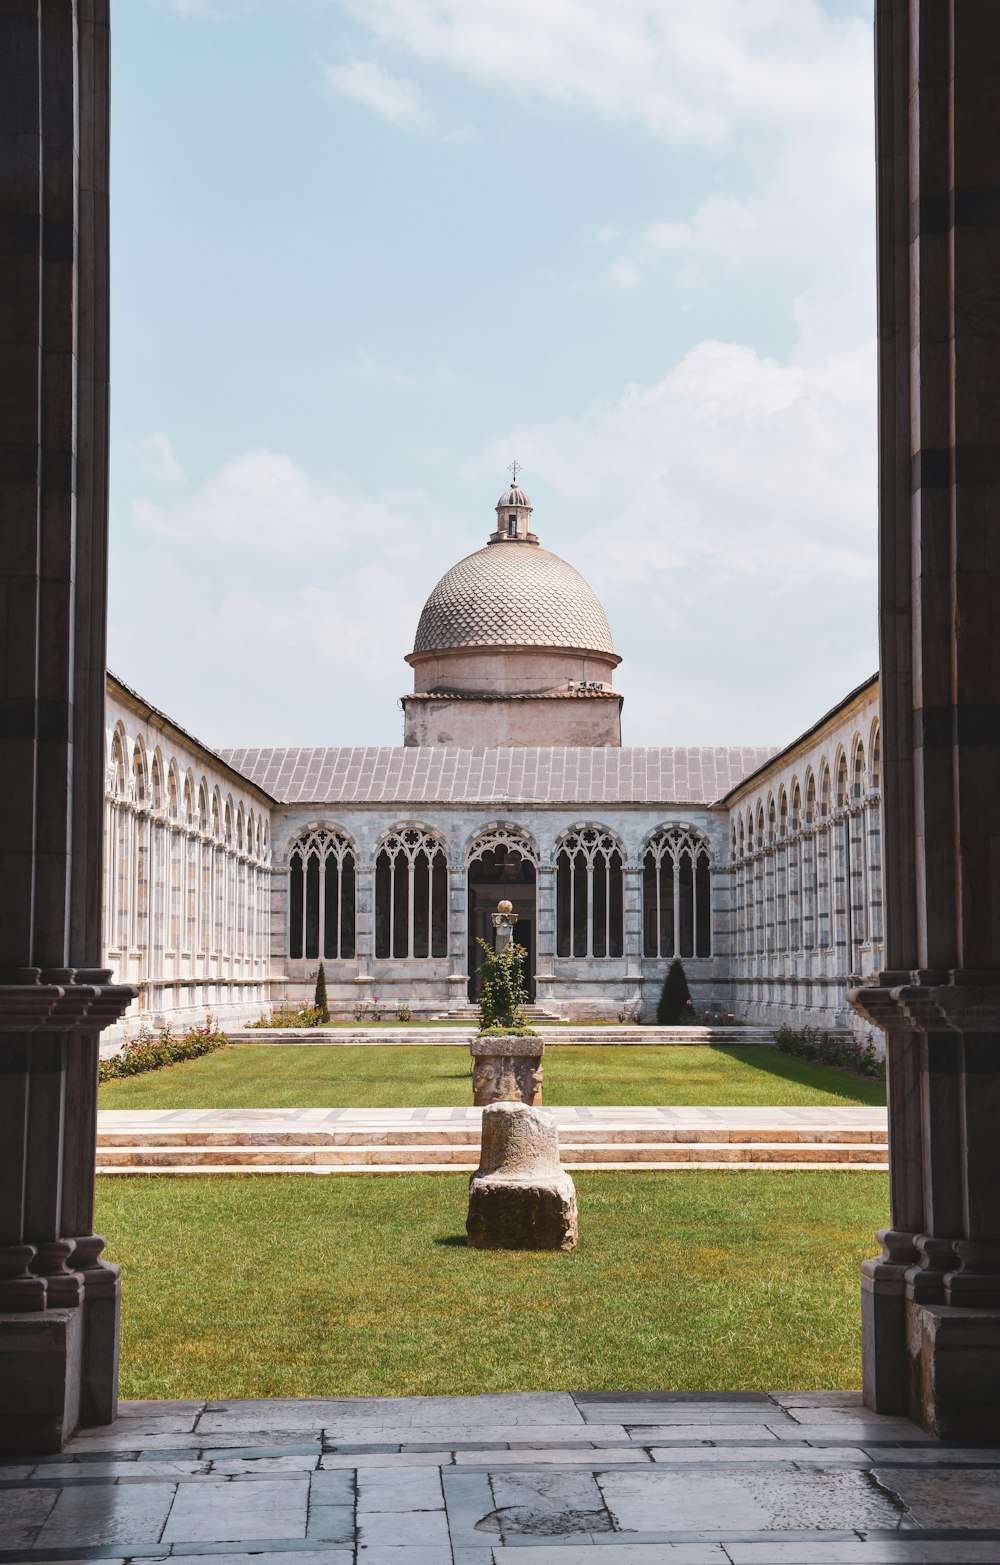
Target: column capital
(60, 1000)
(960, 1001)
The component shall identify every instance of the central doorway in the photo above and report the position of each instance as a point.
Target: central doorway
(497, 871)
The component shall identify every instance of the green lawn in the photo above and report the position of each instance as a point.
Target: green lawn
(279, 1286)
(372, 1076)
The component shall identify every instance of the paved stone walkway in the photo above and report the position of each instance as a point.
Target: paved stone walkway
(546, 1479)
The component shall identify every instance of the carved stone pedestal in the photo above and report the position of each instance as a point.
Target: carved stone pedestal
(520, 1197)
(507, 1070)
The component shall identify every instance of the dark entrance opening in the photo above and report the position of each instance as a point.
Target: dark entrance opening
(497, 873)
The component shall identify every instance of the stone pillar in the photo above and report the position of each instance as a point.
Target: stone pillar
(546, 988)
(58, 1300)
(632, 878)
(932, 1300)
(458, 935)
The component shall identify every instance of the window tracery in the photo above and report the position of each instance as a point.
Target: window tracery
(322, 896)
(411, 895)
(677, 892)
(590, 895)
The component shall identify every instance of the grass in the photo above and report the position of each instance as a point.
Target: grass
(361, 1286)
(369, 1076)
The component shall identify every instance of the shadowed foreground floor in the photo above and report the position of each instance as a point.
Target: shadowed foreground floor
(546, 1479)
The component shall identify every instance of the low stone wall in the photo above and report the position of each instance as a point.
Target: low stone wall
(597, 1037)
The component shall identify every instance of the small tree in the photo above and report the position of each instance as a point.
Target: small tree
(319, 998)
(675, 996)
(502, 995)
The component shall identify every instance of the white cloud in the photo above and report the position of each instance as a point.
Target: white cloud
(159, 460)
(263, 502)
(726, 517)
(691, 72)
(394, 98)
(374, 371)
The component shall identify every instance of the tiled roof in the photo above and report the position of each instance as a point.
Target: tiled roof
(513, 594)
(448, 774)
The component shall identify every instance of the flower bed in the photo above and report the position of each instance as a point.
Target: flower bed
(847, 1053)
(149, 1051)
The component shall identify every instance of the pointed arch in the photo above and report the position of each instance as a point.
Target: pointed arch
(590, 892)
(677, 893)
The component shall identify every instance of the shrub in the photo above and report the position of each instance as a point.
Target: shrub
(292, 1016)
(320, 1002)
(675, 997)
(848, 1053)
(404, 1014)
(149, 1050)
(502, 995)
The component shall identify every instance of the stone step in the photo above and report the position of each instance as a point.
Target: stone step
(468, 1135)
(609, 1154)
(703, 1163)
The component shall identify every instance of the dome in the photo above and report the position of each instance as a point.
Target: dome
(513, 496)
(513, 593)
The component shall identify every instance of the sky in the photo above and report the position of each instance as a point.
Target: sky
(367, 252)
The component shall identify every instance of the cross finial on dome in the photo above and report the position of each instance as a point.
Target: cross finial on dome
(513, 469)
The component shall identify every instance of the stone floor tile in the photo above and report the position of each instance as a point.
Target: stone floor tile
(399, 1489)
(647, 1433)
(334, 1488)
(428, 1529)
(67, 1472)
(22, 1513)
(238, 1510)
(872, 1551)
(397, 1554)
(848, 1416)
(935, 1455)
(818, 1398)
(556, 1504)
(111, 1438)
(92, 1515)
(11, 1472)
(617, 1554)
(468, 1497)
(331, 1524)
(549, 1455)
(232, 1466)
(659, 1499)
(334, 1459)
(321, 1556)
(857, 1431)
(737, 1455)
(946, 1499)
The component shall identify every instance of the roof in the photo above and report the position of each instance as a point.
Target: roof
(450, 774)
(513, 593)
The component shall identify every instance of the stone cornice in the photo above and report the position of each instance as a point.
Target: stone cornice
(60, 1000)
(959, 1001)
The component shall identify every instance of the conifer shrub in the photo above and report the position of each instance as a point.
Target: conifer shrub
(675, 1003)
(503, 994)
(320, 1003)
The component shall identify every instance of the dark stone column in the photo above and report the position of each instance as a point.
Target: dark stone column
(58, 1300)
(932, 1301)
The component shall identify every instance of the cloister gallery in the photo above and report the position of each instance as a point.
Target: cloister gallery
(229, 875)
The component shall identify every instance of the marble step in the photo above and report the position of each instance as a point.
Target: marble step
(469, 1136)
(125, 1169)
(619, 1154)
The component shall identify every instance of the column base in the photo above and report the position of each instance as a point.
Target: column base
(41, 1364)
(884, 1364)
(954, 1370)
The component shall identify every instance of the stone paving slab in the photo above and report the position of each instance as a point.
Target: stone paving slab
(534, 1479)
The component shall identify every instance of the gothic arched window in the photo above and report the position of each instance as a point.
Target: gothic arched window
(677, 894)
(590, 899)
(321, 897)
(411, 895)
